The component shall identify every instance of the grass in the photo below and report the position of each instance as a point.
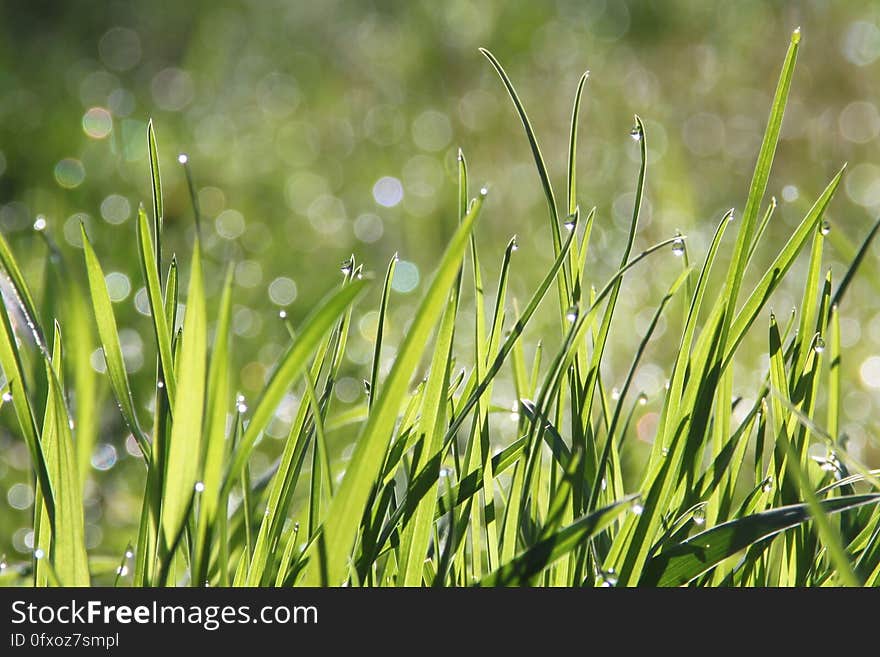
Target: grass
(429, 497)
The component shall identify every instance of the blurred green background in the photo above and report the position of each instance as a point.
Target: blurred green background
(319, 129)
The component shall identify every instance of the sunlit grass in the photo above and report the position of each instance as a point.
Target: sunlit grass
(429, 496)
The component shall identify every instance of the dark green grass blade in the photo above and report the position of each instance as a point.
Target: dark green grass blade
(527, 564)
(682, 563)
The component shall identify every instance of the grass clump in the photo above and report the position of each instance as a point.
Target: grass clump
(725, 497)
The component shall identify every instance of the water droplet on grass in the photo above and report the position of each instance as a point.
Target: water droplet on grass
(129, 554)
(678, 247)
(636, 133)
(367, 387)
(819, 345)
(826, 227)
(199, 487)
(39, 553)
(569, 224)
(643, 399)
(7, 397)
(699, 517)
(183, 158)
(572, 314)
(484, 191)
(160, 385)
(282, 314)
(514, 244)
(768, 485)
(615, 393)
(347, 266)
(40, 223)
(637, 507)
(607, 579)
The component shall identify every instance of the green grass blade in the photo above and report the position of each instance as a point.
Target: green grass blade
(314, 329)
(185, 443)
(679, 564)
(109, 334)
(522, 568)
(334, 545)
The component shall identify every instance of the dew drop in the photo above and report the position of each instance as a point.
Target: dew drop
(608, 578)
(199, 487)
(768, 485)
(241, 407)
(40, 223)
(665, 451)
(282, 314)
(367, 387)
(572, 314)
(445, 472)
(7, 397)
(3, 564)
(569, 224)
(615, 393)
(637, 507)
(678, 247)
(183, 158)
(636, 133)
(122, 571)
(39, 553)
(347, 266)
(160, 385)
(514, 244)
(514, 412)
(484, 191)
(819, 345)
(643, 399)
(826, 227)
(129, 554)
(699, 517)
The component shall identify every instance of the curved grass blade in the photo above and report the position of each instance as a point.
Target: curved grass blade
(679, 564)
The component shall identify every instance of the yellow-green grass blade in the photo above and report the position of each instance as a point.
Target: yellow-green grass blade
(417, 535)
(21, 291)
(154, 294)
(68, 548)
(314, 330)
(331, 551)
(183, 467)
(215, 446)
(109, 334)
(380, 331)
(759, 180)
(156, 187)
(565, 281)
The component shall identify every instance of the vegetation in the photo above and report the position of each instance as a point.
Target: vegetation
(731, 493)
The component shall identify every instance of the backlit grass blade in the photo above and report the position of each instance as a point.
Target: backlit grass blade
(183, 467)
(68, 547)
(380, 330)
(109, 334)
(217, 405)
(21, 291)
(154, 295)
(564, 282)
(331, 551)
(679, 564)
(156, 186)
(314, 329)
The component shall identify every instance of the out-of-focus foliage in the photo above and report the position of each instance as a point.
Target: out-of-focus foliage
(318, 129)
